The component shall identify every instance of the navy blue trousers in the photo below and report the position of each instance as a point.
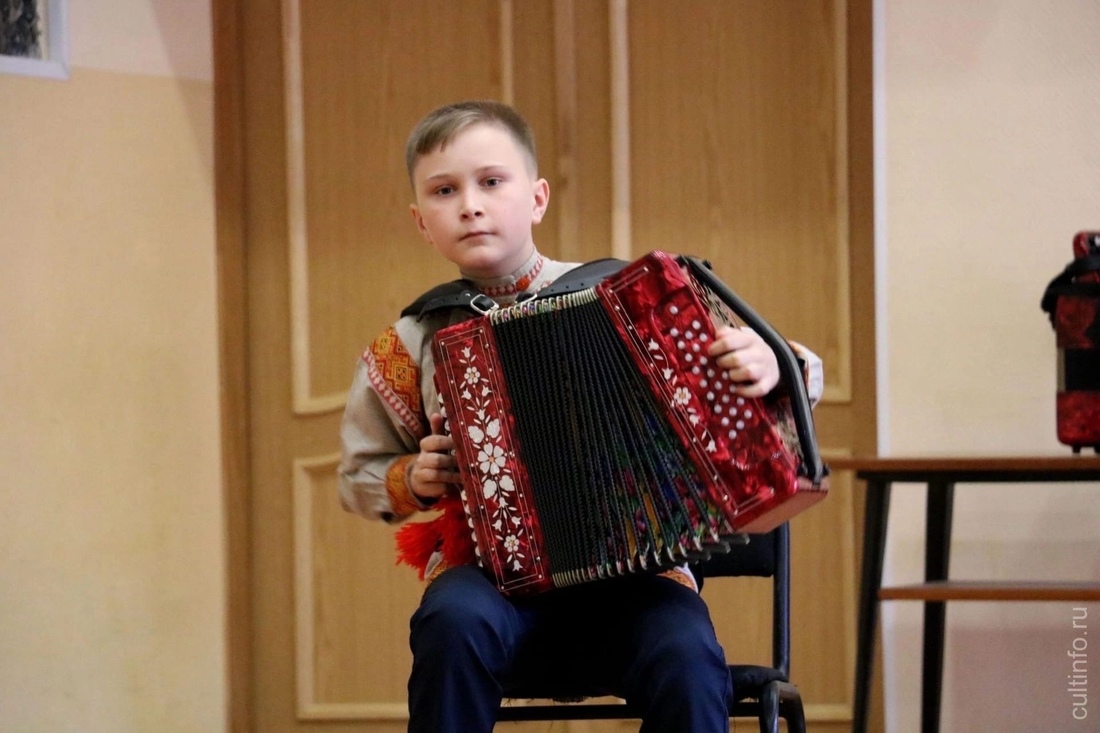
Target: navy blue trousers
(646, 639)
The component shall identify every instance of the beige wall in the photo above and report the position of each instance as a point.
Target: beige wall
(111, 543)
(990, 152)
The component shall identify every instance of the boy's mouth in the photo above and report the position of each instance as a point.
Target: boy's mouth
(470, 235)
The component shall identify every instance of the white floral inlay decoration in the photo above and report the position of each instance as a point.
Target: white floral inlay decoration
(490, 457)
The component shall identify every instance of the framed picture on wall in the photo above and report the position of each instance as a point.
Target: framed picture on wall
(33, 41)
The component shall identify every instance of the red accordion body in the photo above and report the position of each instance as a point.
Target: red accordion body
(745, 469)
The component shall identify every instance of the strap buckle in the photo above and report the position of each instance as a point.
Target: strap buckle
(483, 304)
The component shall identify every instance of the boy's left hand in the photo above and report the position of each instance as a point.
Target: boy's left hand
(749, 362)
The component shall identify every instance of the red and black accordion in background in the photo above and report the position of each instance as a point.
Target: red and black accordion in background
(1073, 301)
(595, 439)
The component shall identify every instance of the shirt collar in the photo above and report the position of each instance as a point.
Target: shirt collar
(506, 288)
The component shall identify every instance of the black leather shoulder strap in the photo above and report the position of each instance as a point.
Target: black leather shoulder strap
(448, 295)
(585, 276)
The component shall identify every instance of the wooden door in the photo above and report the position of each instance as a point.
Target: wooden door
(734, 130)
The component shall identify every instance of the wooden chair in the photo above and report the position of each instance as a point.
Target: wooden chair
(760, 692)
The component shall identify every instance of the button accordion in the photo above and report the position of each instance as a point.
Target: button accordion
(594, 438)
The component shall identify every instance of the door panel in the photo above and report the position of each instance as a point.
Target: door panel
(713, 127)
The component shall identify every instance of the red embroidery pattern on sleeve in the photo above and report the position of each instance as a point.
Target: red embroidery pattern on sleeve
(396, 378)
(401, 498)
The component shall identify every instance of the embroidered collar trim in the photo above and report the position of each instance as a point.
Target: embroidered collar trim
(515, 283)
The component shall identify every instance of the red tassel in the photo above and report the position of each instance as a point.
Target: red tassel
(416, 541)
(458, 540)
(449, 532)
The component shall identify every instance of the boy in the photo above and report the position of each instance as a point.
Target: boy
(649, 638)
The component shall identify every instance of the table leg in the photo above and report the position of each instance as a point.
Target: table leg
(937, 558)
(876, 513)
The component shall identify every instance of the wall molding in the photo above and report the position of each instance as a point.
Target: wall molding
(566, 124)
(308, 708)
(848, 533)
(841, 390)
(391, 712)
(507, 53)
(620, 131)
(303, 470)
(303, 400)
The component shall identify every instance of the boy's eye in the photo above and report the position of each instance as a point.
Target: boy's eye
(445, 190)
(490, 182)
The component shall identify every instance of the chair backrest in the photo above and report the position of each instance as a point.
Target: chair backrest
(765, 555)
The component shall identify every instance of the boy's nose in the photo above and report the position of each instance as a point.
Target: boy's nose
(471, 206)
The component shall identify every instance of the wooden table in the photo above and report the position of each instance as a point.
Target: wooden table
(940, 474)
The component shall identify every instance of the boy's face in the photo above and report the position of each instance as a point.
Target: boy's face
(477, 200)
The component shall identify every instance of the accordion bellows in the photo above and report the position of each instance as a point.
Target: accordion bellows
(595, 439)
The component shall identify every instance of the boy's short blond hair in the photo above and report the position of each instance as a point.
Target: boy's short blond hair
(441, 126)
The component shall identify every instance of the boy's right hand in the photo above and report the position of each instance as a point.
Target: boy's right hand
(434, 469)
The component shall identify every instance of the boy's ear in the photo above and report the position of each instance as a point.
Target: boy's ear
(415, 210)
(542, 200)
